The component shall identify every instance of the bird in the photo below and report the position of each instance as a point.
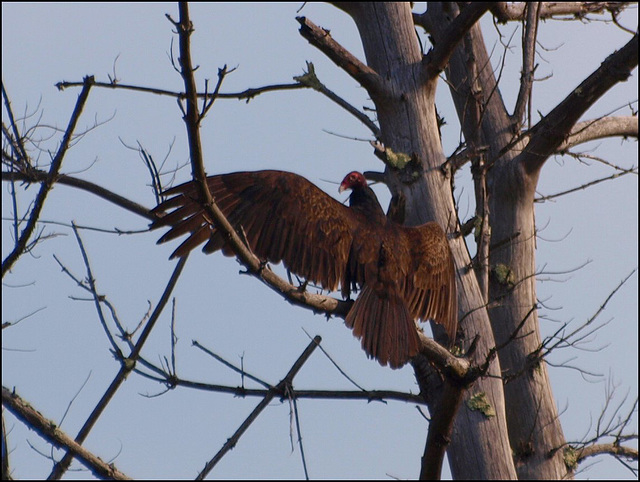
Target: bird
(401, 273)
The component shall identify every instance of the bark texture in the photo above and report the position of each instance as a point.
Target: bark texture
(479, 446)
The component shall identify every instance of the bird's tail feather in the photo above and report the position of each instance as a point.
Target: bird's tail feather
(386, 328)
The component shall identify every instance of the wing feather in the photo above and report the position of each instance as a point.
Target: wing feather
(284, 217)
(430, 288)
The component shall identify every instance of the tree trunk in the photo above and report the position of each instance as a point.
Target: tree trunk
(406, 112)
(532, 416)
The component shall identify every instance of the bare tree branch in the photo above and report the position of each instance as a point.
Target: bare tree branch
(127, 366)
(255, 266)
(35, 175)
(6, 471)
(247, 94)
(440, 430)
(603, 127)
(555, 127)
(581, 332)
(310, 79)
(17, 141)
(633, 170)
(284, 385)
(529, 39)
(56, 164)
(611, 449)
(438, 57)
(507, 11)
(50, 431)
(321, 39)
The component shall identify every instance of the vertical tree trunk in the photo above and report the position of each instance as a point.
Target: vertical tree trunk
(532, 416)
(406, 112)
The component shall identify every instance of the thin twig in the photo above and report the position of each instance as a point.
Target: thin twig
(633, 170)
(56, 164)
(128, 365)
(279, 389)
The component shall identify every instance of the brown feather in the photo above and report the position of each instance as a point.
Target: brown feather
(405, 273)
(386, 328)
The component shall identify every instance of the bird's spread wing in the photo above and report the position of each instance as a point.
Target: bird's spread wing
(284, 217)
(430, 288)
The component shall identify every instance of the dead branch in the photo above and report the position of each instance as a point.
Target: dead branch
(608, 449)
(310, 79)
(56, 164)
(603, 127)
(127, 366)
(322, 40)
(581, 332)
(247, 94)
(6, 472)
(440, 430)
(555, 127)
(633, 170)
(16, 141)
(280, 389)
(293, 294)
(584, 158)
(613, 434)
(509, 11)
(529, 39)
(35, 175)
(436, 60)
(50, 431)
(318, 303)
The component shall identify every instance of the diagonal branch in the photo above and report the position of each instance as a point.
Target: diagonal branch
(255, 267)
(280, 389)
(56, 164)
(35, 175)
(438, 57)
(322, 40)
(128, 365)
(633, 170)
(50, 431)
(310, 79)
(17, 143)
(440, 430)
(548, 134)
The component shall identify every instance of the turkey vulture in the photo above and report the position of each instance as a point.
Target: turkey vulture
(403, 273)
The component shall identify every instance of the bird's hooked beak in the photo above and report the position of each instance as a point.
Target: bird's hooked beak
(343, 187)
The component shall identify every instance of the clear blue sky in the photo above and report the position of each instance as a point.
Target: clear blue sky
(49, 356)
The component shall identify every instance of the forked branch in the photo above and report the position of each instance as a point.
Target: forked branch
(548, 134)
(254, 265)
(56, 164)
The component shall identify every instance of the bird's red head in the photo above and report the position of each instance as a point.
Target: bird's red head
(353, 180)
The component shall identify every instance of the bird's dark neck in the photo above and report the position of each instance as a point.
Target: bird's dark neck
(364, 200)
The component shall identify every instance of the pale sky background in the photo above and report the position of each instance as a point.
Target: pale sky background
(49, 356)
